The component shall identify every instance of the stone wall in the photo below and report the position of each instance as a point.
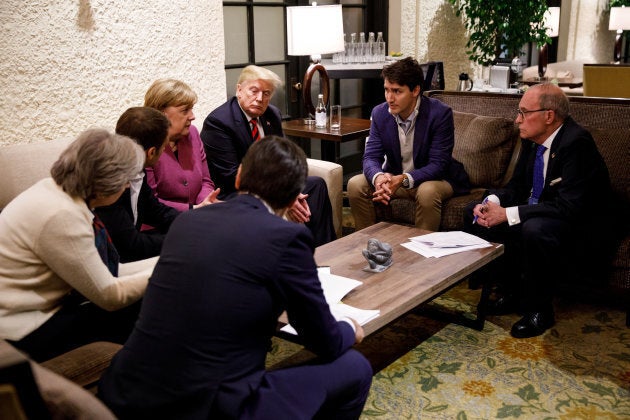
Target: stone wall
(69, 65)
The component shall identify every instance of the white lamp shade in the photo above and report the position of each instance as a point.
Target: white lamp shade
(619, 18)
(314, 30)
(552, 21)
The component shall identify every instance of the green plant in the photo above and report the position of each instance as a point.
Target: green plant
(501, 28)
(619, 3)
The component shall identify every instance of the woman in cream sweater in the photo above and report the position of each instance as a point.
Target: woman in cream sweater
(57, 289)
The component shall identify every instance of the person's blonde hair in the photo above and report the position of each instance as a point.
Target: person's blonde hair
(252, 72)
(169, 92)
(97, 163)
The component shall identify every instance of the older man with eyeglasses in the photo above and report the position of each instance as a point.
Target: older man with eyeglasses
(547, 215)
(233, 127)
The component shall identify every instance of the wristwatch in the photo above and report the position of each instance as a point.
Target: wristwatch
(405, 181)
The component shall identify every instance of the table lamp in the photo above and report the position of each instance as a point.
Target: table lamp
(314, 30)
(619, 21)
(552, 23)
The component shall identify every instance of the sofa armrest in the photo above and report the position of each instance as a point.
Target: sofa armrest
(332, 174)
(22, 165)
(42, 393)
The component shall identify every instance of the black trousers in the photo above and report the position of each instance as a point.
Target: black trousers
(321, 223)
(78, 322)
(537, 255)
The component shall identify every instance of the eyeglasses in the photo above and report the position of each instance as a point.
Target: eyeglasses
(522, 113)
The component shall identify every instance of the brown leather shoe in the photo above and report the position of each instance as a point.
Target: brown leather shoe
(533, 324)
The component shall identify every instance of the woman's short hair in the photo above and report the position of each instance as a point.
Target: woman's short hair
(169, 92)
(252, 72)
(274, 169)
(147, 126)
(97, 163)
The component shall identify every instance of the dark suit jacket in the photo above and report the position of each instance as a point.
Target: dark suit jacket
(226, 136)
(225, 274)
(130, 242)
(581, 182)
(432, 146)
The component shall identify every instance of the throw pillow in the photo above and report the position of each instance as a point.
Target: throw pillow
(484, 145)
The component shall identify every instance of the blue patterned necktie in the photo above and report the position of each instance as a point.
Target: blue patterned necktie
(539, 175)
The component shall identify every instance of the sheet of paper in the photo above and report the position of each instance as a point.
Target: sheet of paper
(335, 287)
(432, 252)
(340, 311)
(450, 239)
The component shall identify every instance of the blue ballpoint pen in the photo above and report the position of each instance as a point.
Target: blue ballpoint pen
(483, 203)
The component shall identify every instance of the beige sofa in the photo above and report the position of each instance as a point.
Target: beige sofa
(29, 390)
(23, 164)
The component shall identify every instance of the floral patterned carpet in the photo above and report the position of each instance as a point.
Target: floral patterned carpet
(429, 369)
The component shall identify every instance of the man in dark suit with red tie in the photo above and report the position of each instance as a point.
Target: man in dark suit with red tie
(232, 128)
(552, 216)
(225, 274)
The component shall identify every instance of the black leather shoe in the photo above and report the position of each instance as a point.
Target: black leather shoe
(533, 324)
(503, 305)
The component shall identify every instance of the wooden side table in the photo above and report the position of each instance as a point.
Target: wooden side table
(351, 129)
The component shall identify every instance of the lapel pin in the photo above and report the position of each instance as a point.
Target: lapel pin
(553, 156)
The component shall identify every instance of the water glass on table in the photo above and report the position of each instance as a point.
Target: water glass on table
(335, 117)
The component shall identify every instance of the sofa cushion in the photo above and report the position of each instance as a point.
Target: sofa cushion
(484, 145)
(22, 165)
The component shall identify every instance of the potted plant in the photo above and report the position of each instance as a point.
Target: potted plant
(499, 28)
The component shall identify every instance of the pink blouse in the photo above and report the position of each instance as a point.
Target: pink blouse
(185, 180)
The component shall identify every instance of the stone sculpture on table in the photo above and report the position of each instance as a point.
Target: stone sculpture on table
(378, 255)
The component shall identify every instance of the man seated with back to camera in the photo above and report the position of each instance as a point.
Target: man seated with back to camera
(225, 274)
(233, 127)
(555, 225)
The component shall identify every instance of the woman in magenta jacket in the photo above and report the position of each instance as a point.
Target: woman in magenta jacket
(180, 178)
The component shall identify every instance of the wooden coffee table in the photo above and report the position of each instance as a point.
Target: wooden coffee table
(412, 279)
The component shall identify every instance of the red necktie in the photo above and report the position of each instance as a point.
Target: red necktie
(255, 132)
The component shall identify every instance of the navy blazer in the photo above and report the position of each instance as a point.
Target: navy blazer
(225, 274)
(226, 136)
(432, 146)
(131, 243)
(581, 184)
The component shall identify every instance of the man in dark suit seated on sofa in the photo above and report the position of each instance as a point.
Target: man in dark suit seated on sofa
(233, 127)
(552, 215)
(225, 274)
(138, 205)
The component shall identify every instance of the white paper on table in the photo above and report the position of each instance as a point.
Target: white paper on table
(431, 252)
(340, 311)
(452, 239)
(335, 287)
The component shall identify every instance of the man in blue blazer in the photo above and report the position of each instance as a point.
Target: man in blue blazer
(558, 230)
(408, 152)
(226, 273)
(227, 134)
(138, 205)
